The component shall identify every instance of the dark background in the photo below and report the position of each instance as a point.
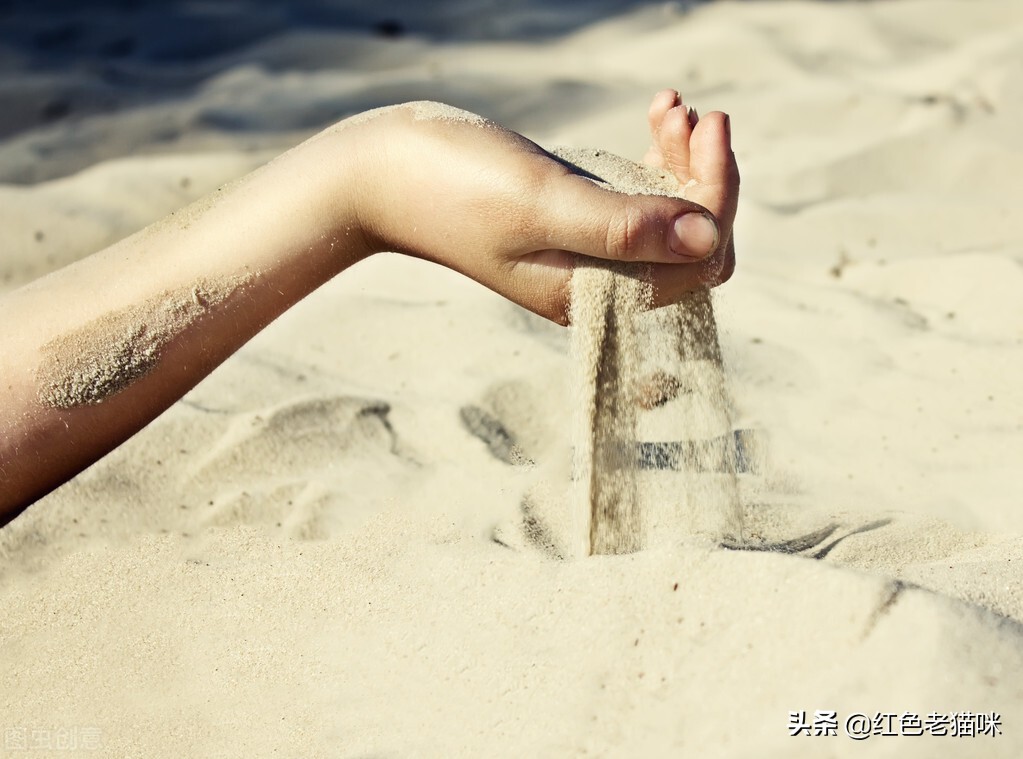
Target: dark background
(64, 64)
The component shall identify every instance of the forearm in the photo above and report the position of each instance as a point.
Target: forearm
(94, 352)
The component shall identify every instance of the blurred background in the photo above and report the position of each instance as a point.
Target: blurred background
(263, 74)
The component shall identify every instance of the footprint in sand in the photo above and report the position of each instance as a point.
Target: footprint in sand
(292, 466)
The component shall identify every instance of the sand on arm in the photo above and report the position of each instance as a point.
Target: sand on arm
(91, 363)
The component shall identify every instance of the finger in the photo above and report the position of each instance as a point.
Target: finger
(662, 102)
(671, 282)
(543, 281)
(674, 137)
(712, 164)
(578, 215)
(728, 267)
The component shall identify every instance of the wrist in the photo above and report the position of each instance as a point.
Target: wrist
(331, 173)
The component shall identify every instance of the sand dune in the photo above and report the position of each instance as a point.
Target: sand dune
(300, 558)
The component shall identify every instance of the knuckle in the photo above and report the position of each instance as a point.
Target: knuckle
(623, 232)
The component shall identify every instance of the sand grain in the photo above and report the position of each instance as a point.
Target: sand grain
(622, 349)
(100, 359)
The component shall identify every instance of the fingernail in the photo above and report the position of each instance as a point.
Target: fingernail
(728, 127)
(694, 236)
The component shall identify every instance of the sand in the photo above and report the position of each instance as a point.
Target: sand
(101, 358)
(299, 558)
(644, 379)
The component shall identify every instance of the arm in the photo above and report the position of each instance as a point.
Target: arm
(91, 353)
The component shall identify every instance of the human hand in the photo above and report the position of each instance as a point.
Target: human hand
(421, 178)
(450, 187)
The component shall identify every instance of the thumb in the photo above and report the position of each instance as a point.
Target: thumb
(591, 219)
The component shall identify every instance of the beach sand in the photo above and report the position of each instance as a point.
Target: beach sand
(299, 557)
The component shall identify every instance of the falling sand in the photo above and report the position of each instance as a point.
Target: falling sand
(655, 452)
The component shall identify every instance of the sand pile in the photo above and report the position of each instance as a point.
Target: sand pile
(655, 458)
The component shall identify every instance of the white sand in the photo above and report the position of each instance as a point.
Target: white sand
(653, 451)
(297, 558)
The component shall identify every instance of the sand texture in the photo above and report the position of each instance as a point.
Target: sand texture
(105, 356)
(646, 379)
(348, 541)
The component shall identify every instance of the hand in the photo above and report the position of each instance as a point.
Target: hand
(450, 187)
(421, 179)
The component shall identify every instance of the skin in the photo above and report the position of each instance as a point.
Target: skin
(463, 193)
